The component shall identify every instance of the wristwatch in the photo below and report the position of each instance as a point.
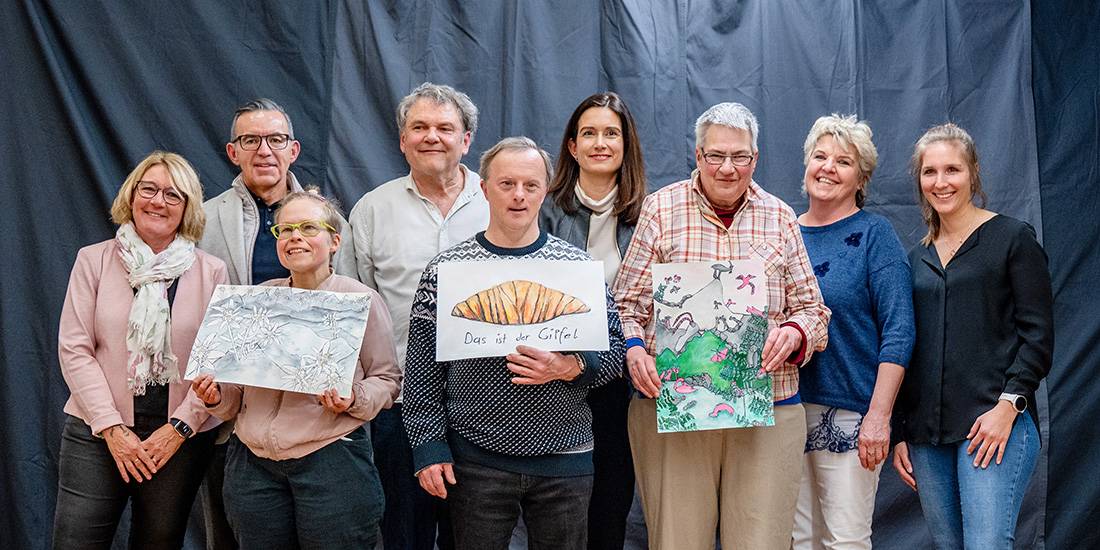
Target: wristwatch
(182, 428)
(1019, 402)
(580, 363)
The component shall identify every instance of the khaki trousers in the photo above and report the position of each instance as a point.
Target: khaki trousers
(744, 480)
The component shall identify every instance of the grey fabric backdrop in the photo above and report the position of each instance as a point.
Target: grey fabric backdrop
(90, 88)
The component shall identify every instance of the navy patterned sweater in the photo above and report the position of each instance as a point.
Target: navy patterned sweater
(469, 409)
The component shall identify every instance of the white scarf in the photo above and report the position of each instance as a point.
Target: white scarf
(149, 330)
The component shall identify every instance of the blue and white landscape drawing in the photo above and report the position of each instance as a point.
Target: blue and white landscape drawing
(281, 338)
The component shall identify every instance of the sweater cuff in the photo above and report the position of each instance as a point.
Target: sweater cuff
(591, 368)
(634, 342)
(431, 452)
(798, 355)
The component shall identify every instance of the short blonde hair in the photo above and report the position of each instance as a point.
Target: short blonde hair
(184, 179)
(850, 133)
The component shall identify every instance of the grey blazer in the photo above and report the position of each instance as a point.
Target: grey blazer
(231, 225)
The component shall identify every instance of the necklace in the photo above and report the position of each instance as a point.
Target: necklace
(958, 242)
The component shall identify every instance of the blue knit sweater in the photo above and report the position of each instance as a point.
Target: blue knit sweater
(469, 409)
(864, 277)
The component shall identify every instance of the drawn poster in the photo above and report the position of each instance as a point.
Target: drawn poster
(711, 325)
(486, 309)
(281, 338)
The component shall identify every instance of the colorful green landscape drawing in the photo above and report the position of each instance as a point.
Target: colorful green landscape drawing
(711, 326)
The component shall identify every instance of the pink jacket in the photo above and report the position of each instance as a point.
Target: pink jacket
(280, 425)
(91, 339)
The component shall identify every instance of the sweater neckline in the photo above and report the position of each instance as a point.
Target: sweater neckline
(521, 251)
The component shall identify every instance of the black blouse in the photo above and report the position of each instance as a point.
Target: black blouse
(985, 325)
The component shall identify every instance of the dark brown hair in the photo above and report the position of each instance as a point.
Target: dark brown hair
(632, 185)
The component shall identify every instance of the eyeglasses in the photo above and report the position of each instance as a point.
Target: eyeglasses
(149, 190)
(251, 142)
(718, 159)
(308, 228)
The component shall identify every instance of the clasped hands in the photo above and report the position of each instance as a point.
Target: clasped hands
(141, 459)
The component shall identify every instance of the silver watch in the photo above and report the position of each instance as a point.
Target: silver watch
(1019, 402)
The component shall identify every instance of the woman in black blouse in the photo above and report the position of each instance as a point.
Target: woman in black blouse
(966, 416)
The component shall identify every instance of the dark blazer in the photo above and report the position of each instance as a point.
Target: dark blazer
(985, 325)
(573, 228)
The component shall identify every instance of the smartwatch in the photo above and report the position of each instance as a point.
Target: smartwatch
(1019, 402)
(182, 428)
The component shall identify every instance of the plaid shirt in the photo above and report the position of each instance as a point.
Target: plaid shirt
(678, 224)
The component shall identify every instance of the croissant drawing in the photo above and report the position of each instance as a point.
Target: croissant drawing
(518, 303)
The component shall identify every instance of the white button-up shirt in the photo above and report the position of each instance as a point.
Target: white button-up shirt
(396, 231)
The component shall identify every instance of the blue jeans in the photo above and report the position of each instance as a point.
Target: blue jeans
(486, 504)
(966, 506)
(91, 494)
(412, 515)
(330, 498)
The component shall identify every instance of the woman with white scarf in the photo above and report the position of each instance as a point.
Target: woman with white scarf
(596, 195)
(135, 431)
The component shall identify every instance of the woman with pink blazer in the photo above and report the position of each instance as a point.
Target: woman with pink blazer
(135, 431)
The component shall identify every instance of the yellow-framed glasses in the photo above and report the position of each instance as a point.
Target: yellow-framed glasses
(308, 228)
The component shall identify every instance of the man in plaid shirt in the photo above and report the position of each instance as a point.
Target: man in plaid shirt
(745, 480)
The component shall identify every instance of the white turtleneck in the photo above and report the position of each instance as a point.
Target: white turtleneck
(602, 244)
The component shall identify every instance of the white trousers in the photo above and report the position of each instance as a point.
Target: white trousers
(837, 499)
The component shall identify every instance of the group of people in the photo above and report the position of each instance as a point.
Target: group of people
(937, 353)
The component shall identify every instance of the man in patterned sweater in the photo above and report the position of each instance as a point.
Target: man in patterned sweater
(503, 434)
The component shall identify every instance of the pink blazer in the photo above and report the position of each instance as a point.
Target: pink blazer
(91, 340)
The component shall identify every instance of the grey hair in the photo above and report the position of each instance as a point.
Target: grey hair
(440, 94)
(514, 144)
(731, 115)
(849, 132)
(259, 104)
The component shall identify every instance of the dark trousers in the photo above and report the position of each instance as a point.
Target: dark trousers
(486, 503)
(613, 481)
(330, 498)
(91, 494)
(412, 516)
(219, 536)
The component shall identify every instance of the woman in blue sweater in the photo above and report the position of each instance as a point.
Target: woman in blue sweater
(849, 389)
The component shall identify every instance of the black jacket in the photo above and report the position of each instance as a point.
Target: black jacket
(573, 228)
(984, 326)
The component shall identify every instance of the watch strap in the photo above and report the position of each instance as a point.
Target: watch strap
(181, 428)
(1019, 402)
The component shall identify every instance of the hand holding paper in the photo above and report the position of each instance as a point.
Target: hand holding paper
(534, 366)
(207, 389)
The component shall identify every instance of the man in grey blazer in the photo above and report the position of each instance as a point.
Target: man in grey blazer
(238, 230)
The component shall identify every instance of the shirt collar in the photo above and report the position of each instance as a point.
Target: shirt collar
(238, 183)
(752, 194)
(470, 186)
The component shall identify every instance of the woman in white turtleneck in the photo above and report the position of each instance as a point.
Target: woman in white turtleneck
(595, 198)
